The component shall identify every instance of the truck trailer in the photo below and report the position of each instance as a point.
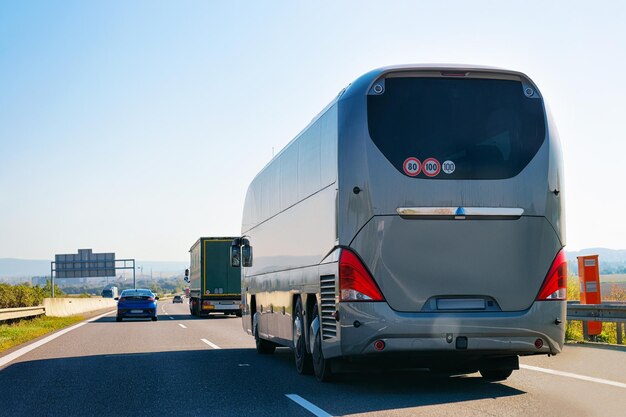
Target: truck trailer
(215, 285)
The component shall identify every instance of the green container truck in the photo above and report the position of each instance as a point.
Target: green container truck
(215, 285)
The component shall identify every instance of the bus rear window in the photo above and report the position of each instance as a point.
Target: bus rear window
(472, 128)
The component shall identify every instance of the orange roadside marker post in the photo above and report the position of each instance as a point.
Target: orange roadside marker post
(589, 279)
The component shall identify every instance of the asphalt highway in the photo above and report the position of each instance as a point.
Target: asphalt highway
(186, 366)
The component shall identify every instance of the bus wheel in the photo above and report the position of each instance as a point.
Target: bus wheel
(304, 360)
(321, 366)
(496, 374)
(263, 346)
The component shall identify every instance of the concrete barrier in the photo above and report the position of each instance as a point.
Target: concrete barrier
(63, 307)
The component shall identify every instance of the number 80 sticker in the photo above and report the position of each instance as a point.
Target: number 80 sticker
(412, 166)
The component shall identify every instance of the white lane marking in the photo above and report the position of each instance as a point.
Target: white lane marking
(213, 345)
(312, 408)
(182, 325)
(575, 376)
(171, 318)
(20, 352)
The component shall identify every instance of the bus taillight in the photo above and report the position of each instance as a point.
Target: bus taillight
(555, 285)
(356, 284)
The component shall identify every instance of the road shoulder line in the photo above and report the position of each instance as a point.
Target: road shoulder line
(5, 360)
(574, 376)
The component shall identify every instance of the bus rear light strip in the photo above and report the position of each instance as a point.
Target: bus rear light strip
(460, 211)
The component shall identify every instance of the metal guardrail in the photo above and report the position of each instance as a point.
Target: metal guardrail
(614, 312)
(21, 312)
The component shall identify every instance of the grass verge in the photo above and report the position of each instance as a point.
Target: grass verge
(24, 330)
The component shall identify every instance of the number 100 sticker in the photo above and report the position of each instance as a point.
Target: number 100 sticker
(431, 167)
(412, 166)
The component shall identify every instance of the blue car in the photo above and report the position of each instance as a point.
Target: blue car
(137, 303)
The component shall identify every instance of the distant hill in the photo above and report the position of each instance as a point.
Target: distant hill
(606, 255)
(12, 269)
(612, 261)
(23, 268)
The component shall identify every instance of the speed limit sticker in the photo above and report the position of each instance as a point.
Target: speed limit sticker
(448, 167)
(431, 167)
(412, 166)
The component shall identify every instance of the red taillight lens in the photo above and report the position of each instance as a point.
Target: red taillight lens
(121, 300)
(555, 285)
(150, 298)
(355, 283)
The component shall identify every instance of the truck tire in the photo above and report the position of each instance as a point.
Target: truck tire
(263, 346)
(322, 367)
(304, 360)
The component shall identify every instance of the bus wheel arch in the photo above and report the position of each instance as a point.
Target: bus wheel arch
(309, 314)
(252, 311)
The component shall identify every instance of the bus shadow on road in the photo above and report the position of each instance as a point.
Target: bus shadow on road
(377, 390)
(221, 382)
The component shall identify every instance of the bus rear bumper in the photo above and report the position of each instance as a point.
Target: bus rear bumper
(489, 333)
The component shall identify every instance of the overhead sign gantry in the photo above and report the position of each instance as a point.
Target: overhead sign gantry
(86, 264)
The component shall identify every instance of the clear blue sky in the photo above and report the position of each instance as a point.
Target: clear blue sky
(135, 127)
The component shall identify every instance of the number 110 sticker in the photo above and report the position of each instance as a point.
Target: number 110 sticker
(412, 166)
(431, 167)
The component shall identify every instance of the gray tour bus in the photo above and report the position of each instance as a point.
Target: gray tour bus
(418, 220)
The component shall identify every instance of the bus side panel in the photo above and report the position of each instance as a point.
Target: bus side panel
(290, 219)
(287, 250)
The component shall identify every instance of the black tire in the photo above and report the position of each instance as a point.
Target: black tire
(495, 374)
(155, 318)
(321, 367)
(304, 360)
(263, 346)
(238, 314)
(118, 318)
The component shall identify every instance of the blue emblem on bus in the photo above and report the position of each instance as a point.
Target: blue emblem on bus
(460, 212)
